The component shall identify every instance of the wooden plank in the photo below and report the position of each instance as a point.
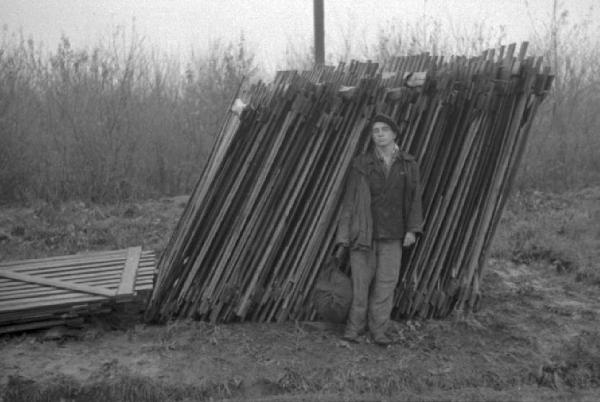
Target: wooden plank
(70, 261)
(83, 278)
(35, 290)
(130, 270)
(23, 294)
(43, 302)
(67, 257)
(86, 277)
(66, 271)
(57, 283)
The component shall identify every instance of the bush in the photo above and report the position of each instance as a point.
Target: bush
(119, 121)
(109, 123)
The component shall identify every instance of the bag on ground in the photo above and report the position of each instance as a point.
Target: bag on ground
(332, 294)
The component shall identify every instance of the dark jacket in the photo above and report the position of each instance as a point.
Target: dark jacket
(365, 216)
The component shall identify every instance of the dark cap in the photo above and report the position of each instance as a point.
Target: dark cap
(384, 118)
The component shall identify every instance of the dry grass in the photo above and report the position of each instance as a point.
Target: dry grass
(45, 230)
(440, 361)
(125, 388)
(558, 230)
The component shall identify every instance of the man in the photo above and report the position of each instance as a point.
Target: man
(381, 213)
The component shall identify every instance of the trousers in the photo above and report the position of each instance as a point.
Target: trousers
(375, 274)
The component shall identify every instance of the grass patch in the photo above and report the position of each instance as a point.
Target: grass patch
(44, 230)
(126, 388)
(580, 366)
(558, 230)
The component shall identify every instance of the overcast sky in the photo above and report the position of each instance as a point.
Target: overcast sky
(177, 26)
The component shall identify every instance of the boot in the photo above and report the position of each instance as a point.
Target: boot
(350, 336)
(382, 340)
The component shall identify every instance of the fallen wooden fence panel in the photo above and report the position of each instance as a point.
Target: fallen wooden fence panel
(46, 292)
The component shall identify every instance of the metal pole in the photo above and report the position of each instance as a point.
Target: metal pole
(319, 32)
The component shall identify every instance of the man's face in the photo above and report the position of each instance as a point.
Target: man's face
(382, 134)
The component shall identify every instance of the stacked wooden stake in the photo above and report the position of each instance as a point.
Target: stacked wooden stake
(261, 220)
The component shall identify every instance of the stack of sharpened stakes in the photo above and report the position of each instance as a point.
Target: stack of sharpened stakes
(260, 223)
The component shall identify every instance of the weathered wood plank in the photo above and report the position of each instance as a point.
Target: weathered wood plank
(42, 292)
(57, 283)
(130, 271)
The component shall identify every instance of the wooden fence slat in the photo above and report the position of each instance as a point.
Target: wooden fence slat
(129, 271)
(57, 283)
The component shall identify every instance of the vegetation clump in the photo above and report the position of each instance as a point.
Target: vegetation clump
(119, 121)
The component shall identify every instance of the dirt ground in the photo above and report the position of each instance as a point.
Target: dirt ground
(536, 336)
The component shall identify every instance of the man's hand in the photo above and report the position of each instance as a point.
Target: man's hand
(409, 239)
(341, 253)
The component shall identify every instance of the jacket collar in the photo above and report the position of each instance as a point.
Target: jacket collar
(369, 160)
(379, 155)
